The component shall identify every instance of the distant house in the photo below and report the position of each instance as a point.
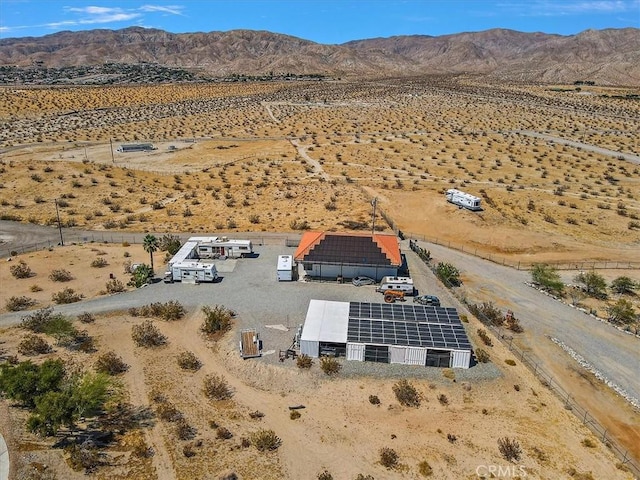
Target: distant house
(348, 255)
(136, 147)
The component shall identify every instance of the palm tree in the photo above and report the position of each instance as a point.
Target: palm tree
(150, 244)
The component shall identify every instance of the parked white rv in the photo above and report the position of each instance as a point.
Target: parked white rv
(223, 247)
(463, 199)
(285, 268)
(191, 272)
(401, 284)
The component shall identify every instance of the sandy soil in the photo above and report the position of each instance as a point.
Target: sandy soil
(339, 429)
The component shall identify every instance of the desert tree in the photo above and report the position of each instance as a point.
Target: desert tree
(448, 274)
(594, 284)
(547, 277)
(624, 285)
(621, 312)
(150, 244)
(170, 244)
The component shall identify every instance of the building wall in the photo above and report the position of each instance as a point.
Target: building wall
(311, 348)
(348, 271)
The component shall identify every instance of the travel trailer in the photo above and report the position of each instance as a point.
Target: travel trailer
(463, 199)
(400, 284)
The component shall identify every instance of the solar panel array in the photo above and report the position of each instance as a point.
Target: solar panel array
(347, 249)
(413, 325)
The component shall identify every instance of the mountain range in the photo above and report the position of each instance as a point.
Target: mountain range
(607, 57)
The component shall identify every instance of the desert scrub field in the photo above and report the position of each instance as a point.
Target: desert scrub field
(313, 154)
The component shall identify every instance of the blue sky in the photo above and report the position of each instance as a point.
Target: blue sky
(323, 21)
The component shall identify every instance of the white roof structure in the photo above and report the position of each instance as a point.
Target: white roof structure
(326, 321)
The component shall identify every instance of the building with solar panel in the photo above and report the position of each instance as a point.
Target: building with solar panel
(332, 255)
(409, 334)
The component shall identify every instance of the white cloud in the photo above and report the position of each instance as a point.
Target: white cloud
(571, 7)
(173, 9)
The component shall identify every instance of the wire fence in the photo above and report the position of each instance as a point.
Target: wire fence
(545, 378)
(124, 238)
(519, 265)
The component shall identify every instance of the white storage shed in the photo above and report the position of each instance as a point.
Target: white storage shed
(284, 271)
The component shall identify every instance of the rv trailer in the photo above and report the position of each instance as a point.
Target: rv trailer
(463, 199)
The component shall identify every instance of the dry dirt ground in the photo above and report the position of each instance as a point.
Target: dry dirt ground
(273, 157)
(339, 430)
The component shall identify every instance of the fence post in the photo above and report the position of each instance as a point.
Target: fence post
(604, 435)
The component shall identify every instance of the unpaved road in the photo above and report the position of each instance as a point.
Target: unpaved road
(585, 146)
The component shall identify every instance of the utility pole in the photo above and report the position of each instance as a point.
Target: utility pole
(374, 202)
(113, 160)
(59, 224)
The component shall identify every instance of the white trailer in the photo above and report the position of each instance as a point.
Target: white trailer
(285, 268)
(191, 272)
(402, 284)
(223, 247)
(463, 199)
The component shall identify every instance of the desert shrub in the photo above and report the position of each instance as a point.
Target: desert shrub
(487, 313)
(589, 443)
(15, 304)
(513, 323)
(547, 277)
(86, 317)
(406, 393)
(510, 362)
(442, 398)
(168, 311)
(257, 415)
(189, 361)
(298, 224)
(60, 275)
(388, 458)
(37, 321)
(223, 433)
(330, 366)
(99, 262)
(516, 387)
(448, 373)
(216, 319)
(304, 361)
(425, 469)
(167, 412)
(265, 440)
(482, 356)
(294, 414)
(21, 270)
(374, 400)
(188, 451)
(67, 295)
(114, 286)
(110, 363)
(85, 456)
(78, 340)
(33, 345)
(362, 476)
(147, 334)
(184, 431)
(170, 244)
(486, 339)
(325, 475)
(35, 288)
(452, 438)
(448, 274)
(217, 388)
(509, 449)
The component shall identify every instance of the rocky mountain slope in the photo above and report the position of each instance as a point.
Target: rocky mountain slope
(605, 56)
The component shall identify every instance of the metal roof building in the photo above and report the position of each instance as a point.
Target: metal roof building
(389, 333)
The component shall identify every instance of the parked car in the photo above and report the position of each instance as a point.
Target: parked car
(359, 281)
(427, 300)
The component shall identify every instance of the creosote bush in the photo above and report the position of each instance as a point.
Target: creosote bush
(217, 388)
(325, 475)
(406, 393)
(223, 433)
(509, 449)
(33, 345)
(330, 366)
(216, 319)
(60, 275)
(114, 286)
(374, 400)
(99, 262)
(481, 355)
(425, 469)
(21, 270)
(265, 440)
(147, 334)
(67, 295)
(388, 458)
(189, 361)
(510, 362)
(86, 317)
(15, 304)
(304, 361)
(294, 414)
(110, 363)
